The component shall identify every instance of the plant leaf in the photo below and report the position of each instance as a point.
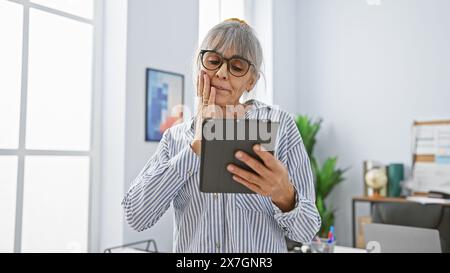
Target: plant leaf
(308, 130)
(326, 176)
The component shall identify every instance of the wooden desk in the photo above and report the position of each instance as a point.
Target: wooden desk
(343, 249)
(372, 200)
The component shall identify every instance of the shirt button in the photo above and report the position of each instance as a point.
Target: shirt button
(217, 245)
(189, 172)
(215, 196)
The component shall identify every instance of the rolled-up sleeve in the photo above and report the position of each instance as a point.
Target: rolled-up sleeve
(152, 191)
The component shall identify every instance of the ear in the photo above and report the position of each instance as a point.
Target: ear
(252, 81)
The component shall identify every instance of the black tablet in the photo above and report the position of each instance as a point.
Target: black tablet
(221, 138)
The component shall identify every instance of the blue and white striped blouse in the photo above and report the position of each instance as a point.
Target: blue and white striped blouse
(210, 222)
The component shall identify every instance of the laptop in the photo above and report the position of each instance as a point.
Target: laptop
(401, 239)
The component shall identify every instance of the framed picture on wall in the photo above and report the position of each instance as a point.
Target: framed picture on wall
(163, 103)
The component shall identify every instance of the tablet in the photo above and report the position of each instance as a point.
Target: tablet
(221, 139)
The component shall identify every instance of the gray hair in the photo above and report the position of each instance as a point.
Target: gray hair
(236, 35)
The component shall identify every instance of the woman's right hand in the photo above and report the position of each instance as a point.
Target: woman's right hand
(206, 108)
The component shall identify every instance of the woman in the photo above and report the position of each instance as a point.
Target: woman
(228, 65)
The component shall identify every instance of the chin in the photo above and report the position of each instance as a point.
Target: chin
(225, 98)
(222, 101)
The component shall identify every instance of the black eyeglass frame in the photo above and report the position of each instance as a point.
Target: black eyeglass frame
(227, 60)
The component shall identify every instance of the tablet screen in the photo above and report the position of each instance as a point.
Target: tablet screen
(221, 139)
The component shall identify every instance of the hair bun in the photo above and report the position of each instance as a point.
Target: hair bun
(242, 22)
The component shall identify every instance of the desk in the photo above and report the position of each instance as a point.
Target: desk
(343, 249)
(372, 200)
(337, 249)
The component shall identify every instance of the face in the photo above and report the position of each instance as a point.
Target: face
(229, 88)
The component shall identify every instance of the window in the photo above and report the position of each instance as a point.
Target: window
(46, 103)
(82, 8)
(214, 11)
(55, 201)
(59, 96)
(8, 178)
(10, 71)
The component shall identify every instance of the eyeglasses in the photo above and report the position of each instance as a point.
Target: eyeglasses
(212, 60)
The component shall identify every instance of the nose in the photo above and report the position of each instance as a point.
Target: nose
(222, 73)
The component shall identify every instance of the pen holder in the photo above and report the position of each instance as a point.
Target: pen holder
(321, 245)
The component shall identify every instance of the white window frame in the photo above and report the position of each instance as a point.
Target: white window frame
(22, 152)
(215, 16)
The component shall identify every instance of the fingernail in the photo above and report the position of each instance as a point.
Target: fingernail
(230, 168)
(257, 147)
(239, 155)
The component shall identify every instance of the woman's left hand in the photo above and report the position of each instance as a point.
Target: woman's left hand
(271, 178)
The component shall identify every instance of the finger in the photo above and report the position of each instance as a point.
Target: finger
(249, 176)
(200, 83)
(269, 160)
(251, 186)
(212, 96)
(252, 163)
(206, 89)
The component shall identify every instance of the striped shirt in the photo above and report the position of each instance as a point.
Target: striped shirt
(214, 222)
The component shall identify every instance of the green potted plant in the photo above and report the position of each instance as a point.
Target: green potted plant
(326, 176)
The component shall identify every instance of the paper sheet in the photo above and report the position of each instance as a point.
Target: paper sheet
(431, 177)
(427, 200)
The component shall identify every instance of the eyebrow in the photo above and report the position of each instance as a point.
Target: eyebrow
(234, 56)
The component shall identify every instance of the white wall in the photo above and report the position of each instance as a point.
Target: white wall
(108, 195)
(369, 71)
(259, 14)
(275, 26)
(162, 35)
(285, 91)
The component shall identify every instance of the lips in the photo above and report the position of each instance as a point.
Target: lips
(218, 87)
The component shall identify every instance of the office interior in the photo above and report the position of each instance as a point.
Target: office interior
(73, 110)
